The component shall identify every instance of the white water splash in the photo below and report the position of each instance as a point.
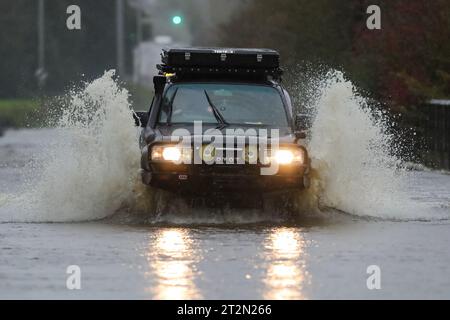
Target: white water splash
(90, 170)
(355, 158)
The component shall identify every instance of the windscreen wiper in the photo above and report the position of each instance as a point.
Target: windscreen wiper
(172, 98)
(219, 117)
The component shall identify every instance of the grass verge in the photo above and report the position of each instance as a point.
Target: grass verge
(18, 113)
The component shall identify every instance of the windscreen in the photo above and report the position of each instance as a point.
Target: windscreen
(223, 103)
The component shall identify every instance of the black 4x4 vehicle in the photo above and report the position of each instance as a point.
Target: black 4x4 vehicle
(221, 121)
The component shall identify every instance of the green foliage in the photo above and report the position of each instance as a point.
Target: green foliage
(18, 112)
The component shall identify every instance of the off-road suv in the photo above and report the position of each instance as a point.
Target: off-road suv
(220, 121)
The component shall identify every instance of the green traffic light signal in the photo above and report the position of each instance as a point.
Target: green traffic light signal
(176, 20)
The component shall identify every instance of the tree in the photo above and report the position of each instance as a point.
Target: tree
(410, 56)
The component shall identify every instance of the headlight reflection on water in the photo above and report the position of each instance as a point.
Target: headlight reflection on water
(173, 254)
(172, 263)
(286, 274)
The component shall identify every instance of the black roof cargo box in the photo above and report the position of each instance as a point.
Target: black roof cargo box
(208, 61)
(229, 57)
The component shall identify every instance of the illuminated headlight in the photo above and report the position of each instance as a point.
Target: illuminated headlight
(171, 153)
(288, 156)
(284, 156)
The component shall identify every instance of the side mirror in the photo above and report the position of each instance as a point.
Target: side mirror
(301, 123)
(140, 118)
(299, 135)
(159, 83)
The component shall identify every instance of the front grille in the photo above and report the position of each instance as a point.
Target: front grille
(228, 155)
(225, 170)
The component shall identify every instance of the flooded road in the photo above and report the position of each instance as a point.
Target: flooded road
(324, 257)
(257, 262)
(71, 196)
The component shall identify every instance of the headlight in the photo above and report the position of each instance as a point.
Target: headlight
(171, 153)
(284, 156)
(288, 156)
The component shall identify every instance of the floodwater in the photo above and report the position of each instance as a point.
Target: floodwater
(71, 196)
(313, 258)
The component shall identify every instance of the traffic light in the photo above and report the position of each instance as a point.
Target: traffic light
(177, 19)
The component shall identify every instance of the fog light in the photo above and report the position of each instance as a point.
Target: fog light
(251, 154)
(208, 153)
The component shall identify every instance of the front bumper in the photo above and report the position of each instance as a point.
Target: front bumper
(201, 179)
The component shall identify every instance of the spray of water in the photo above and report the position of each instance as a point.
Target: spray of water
(91, 171)
(357, 163)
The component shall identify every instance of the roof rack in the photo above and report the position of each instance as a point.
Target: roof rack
(213, 62)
